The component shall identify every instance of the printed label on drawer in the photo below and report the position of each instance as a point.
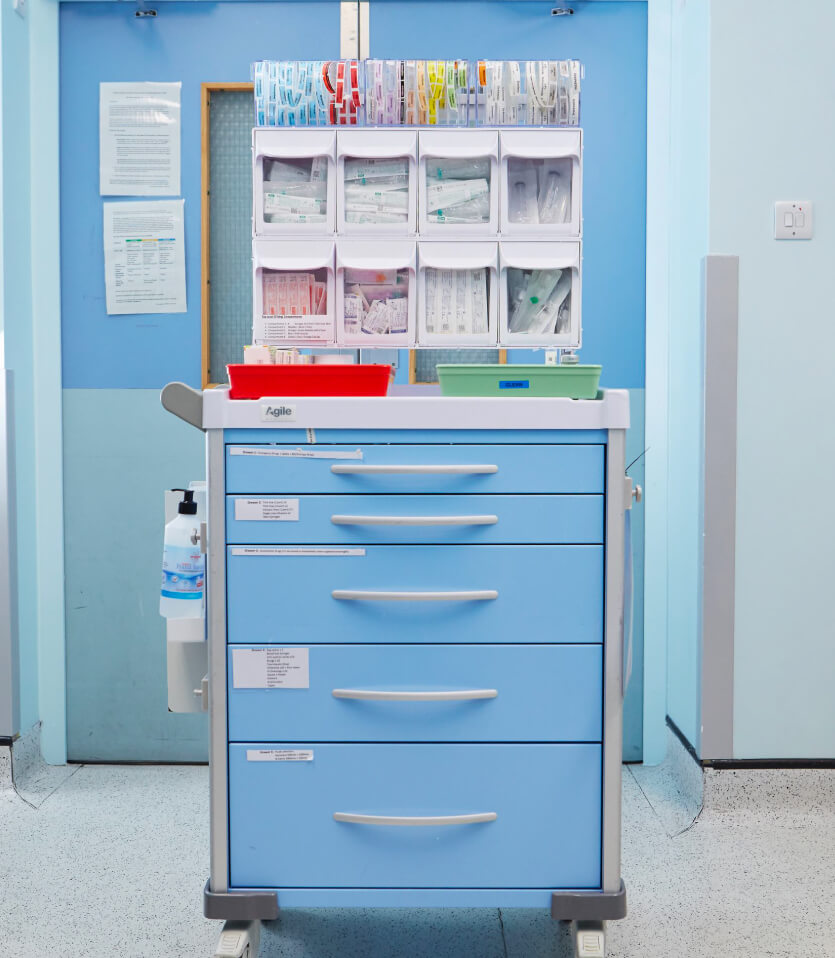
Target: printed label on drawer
(279, 755)
(267, 510)
(295, 453)
(271, 668)
(294, 551)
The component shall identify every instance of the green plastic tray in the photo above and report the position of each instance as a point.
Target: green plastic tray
(571, 382)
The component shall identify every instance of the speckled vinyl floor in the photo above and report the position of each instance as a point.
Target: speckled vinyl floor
(111, 862)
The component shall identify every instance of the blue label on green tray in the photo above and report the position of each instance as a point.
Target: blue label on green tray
(514, 384)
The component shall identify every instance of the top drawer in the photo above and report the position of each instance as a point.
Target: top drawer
(289, 468)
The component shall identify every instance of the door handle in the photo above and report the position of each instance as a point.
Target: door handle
(342, 469)
(374, 695)
(358, 595)
(414, 520)
(474, 819)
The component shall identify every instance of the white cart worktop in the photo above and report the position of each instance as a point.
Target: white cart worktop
(413, 412)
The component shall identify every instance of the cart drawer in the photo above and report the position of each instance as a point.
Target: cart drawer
(414, 519)
(268, 468)
(298, 595)
(419, 693)
(528, 816)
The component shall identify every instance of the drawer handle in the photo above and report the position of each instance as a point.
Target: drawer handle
(414, 520)
(475, 819)
(342, 469)
(475, 595)
(373, 695)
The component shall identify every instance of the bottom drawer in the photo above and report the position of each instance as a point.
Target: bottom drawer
(527, 816)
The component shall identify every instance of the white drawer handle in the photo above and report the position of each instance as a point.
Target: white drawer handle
(475, 819)
(373, 695)
(348, 470)
(414, 520)
(361, 596)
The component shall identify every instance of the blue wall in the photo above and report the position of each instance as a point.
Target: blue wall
(195, 42)
(121, 450)
(611, 40)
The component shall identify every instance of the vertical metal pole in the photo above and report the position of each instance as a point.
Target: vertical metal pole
(216, 636)
(613, 659)
(349, 30)
(9, 704)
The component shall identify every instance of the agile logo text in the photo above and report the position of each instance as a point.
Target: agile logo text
(277, 413)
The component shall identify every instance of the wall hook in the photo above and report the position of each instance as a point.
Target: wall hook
(562, 12)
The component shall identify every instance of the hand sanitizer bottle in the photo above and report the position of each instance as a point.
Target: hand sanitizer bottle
(183, 564)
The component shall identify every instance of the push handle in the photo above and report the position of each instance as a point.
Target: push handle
(358, 595)
(375, 695)
(474, 819)
(345, 469)
(414, 520)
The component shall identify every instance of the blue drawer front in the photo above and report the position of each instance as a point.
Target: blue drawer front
(550, 594)
(547, 799)
(546, 693)
(525, 519)
(520, 468)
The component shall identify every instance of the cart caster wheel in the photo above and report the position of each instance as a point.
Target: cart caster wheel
(239, 939)
(589, 939)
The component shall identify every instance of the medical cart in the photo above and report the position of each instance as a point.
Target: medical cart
(415, 625)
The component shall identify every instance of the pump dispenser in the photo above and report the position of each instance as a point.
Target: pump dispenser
(183, 563)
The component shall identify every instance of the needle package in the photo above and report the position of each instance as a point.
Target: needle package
(376, 190)
(295, 190)
(538, 301)
(458, 190)
(457, 301)
(375, 303)
(539, 190)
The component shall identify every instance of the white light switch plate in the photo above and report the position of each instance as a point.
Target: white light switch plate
(793, 220)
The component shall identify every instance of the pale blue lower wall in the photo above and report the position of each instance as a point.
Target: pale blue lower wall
(688, 245)
(784, 654)
(16, 323)
(122, 450)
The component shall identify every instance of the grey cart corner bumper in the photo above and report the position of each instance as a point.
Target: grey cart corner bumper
(589, 905)
(240, 905)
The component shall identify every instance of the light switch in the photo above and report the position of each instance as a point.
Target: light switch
(793, 220)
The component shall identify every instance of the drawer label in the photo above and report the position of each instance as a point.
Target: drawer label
(267, 510)
(271, 668)
(279, 755)
(272, 451)
(294, 551)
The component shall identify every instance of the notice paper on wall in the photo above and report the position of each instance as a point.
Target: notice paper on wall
(139, 139)
(144, 257)
(267, 510)
(273, 668)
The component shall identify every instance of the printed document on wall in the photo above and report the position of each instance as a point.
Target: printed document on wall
(144, 257)
(139, 139)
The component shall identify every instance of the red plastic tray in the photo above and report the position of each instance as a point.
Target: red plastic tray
(323, 379)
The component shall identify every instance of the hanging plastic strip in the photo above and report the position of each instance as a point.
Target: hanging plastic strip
(456, 93)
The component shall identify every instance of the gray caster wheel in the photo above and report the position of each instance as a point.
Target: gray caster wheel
(239, 939)
(589, 939)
